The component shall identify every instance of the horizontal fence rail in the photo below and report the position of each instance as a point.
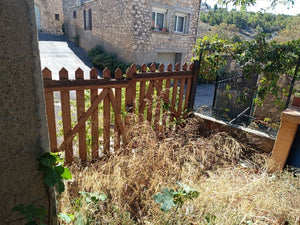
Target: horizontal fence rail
(87, 118)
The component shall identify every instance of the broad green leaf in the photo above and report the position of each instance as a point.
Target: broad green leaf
(59, 169)
(165, 199)
(47, 160)
(60, 187)
(66, 174)
(50, 177)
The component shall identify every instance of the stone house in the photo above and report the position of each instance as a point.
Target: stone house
(49, 16)
(139, 31)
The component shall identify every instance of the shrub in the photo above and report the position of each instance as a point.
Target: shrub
(102, 59)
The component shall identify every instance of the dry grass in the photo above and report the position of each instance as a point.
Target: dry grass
(231, 178)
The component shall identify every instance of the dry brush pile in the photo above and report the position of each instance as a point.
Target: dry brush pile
(231, 178)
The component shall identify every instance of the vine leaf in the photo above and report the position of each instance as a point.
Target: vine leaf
(165, 199)
(52, 167)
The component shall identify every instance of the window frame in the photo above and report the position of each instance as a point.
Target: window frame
(87, 19)
(158, 11)
(74, 14)
(185, 17)
(56, 16)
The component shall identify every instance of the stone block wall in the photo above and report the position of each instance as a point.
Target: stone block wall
(124, 28)
(23, 129)
(50, 23)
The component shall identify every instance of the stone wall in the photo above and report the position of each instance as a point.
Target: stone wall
(49, 22)
(124, 28)
(23, 130)
(256, 139)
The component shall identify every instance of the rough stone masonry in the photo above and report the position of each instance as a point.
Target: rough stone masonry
(23, 130)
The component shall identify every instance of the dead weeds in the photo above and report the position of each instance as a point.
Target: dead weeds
(231, 177)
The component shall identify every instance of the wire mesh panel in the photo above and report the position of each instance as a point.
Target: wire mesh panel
(234, 98)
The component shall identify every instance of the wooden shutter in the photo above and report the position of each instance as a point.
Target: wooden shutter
(90, 19)
(84, 20)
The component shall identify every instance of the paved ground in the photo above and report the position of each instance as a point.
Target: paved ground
(57, 52)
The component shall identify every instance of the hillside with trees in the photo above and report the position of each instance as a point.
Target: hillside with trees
(241, 25)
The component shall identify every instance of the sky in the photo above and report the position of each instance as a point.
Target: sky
(264, 4)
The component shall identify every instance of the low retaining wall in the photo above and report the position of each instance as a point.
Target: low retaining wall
(258, 140)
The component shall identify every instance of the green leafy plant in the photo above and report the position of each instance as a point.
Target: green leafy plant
(53, 168)
(103, 59)
(212, 52)
(85, 207)
(169, 198)
(92, 197)
(34, 215)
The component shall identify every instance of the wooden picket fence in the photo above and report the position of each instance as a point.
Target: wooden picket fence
(157, 88)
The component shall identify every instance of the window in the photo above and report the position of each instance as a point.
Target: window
(181, 23)
(87, 20)
(158, 19)
(74, 14)
(56, 16)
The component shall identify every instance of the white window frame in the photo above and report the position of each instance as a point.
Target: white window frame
(161, 11)
(185, 17)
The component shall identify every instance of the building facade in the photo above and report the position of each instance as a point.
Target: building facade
(49, 16)
(139, 31)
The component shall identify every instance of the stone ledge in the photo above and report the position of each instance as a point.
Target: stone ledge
(258, 140)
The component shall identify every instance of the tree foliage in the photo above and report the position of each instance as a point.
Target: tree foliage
(262, 22)
(246, 3)
(270, 59)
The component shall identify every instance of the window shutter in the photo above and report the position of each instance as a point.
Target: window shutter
(90, 19)
(84, 20)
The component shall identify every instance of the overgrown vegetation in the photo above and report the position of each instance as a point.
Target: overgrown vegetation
(231, 179)
(102, 59)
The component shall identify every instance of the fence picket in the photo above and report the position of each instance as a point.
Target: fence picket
(117, 110)
(80, 111)
(106, 117)
(149, 99)
(166, 96)
(174, 97)
(142, 94)
(159, 98)
(94, 117)
(129, 98)
(50, 110)
(66, 117)
(180, 100)
(152, 68)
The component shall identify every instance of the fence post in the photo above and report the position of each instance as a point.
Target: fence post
(292, 83)
(196, 70)
(215, 92)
